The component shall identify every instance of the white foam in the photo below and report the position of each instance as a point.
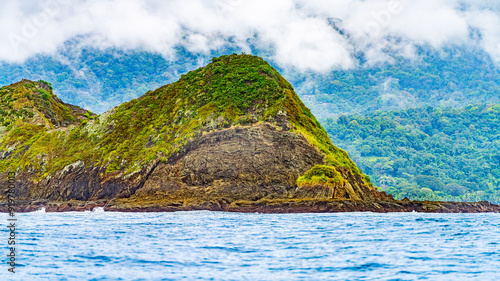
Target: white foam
(98, 210)
(40, 211)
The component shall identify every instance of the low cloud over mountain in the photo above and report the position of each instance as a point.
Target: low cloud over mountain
(312, 35)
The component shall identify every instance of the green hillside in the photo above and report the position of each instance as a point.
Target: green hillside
(34, 101)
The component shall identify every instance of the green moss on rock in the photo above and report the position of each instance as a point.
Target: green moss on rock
(323, 175)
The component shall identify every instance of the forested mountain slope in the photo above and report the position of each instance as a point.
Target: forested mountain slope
(453, 77)
(426, 153)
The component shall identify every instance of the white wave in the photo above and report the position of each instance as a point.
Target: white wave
(40, 211)
(98, 210)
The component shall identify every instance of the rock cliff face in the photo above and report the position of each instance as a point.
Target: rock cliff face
(228, 134)
(241, 163)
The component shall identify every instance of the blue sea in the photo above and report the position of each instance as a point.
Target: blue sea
(234, 246)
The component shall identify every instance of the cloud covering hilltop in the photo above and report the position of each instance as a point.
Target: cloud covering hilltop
(307, 35)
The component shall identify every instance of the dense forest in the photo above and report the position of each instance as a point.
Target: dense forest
(426, 153)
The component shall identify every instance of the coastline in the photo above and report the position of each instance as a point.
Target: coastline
(261, 206)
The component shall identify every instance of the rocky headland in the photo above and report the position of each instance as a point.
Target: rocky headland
(230, 136)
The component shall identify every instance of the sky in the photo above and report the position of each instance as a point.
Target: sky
(307, 35)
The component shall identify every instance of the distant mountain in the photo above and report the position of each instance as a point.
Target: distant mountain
(454, 77)
(426, 153)
(101, 79)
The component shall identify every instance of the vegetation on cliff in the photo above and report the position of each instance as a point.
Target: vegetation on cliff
(37, 129)
(34, 102)
(321, 174)
(234, 90)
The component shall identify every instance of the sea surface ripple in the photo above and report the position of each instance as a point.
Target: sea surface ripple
(206, 245)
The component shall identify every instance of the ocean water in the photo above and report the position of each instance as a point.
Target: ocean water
(234, 246)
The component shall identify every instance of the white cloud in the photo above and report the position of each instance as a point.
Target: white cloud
(298, 31)
(311, 44)
(488, 23)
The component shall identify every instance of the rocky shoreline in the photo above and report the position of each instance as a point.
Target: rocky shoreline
(261, 206)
